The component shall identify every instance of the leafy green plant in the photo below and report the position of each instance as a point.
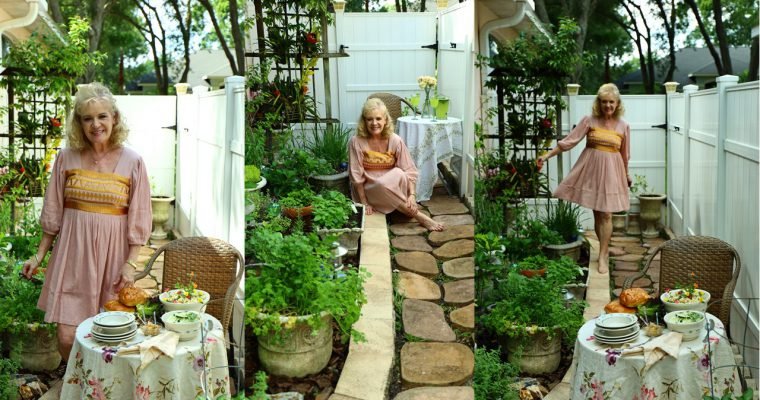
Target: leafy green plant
(260, 386)
(252, 176)
(746, 395)
(298, 198)
(8, 388)
(291, 171)
(296, 279)
(331, 145)
(527, 237)
(332, 210)
(492, 378)
(563, 218)
(640, 185)
(18, 298)
(558, 272)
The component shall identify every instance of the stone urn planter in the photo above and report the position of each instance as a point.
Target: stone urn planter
(572, 249)
(161, 206)
(540, 352)
(36, 348)
(338, 182)
(618, 221)
(632, 227)
(348, 237)
(650, 213)
(299, 350)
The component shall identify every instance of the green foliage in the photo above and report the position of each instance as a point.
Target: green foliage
(492, 378)
(640, 185)
(563, 218)
(331, 145)
(291, 171)
(260, 386)
(252, 176)
(332, 210)
(296, 279)
(298, 198)
(18, 298)
(8, 388)
(747, 395)
(527, 237)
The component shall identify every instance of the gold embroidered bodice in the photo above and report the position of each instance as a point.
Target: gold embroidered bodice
(604, 139)
(96, 192)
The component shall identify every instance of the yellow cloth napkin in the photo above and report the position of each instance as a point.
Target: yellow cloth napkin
(151, 349)
(657, 348)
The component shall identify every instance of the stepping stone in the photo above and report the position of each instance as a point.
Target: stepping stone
(452, 233)
(401, 218)
(441, 200)
(409, 228)
(626, 266)
(456, 249)
(426, 320)
(654, 242)
(627, 239)
(630, 257)
(635, 250)
(418, 262)
(447, 208)
(411, 243)
(459, 292)
(435, 364)
(616, 251)
(463, 318)
(452, 220)
(437, 393)
(413, 286)
(460, 268)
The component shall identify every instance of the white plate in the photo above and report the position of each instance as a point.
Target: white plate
(111, 330)
(616, 332)
(612, 337)
(620, 340)
(113, 319)
(112, 336)
(616, 321)
(115, 340)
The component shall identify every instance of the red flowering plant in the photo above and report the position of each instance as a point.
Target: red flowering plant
(510, 177)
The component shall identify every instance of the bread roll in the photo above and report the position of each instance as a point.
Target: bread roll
(132, 296)
(616, 307)
(634, 297)
(115, 305)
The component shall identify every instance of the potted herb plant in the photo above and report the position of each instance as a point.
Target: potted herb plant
(336, 214)
(253, 178)
(332, 146)
(298, 203)
(650, 204)
(291, 171)
(564, 218)
(293, 298)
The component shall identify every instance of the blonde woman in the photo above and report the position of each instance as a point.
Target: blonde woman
(599, 179)
(382, 173)
(97, 208)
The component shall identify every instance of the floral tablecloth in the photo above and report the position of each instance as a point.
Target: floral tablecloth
(95, 371)
(429, 143)
(602, 373)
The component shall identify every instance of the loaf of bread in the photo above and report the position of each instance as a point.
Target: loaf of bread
(634, 297)
(615, 307)
(132, 296)
(115, 305)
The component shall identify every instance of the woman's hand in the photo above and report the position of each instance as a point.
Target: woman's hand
(411, 203)
(30, 267)
(126, 278)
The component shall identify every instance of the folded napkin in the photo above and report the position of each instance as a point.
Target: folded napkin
(657, 348)
(151, 349)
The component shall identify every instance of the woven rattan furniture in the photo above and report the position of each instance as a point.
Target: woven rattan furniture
(217, 268)
(392, 103)
(715, 264)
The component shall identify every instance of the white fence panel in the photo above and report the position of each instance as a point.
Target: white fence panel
(702, 163)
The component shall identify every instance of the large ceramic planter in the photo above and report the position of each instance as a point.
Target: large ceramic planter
(161, 206)
(572, 250)
(650, 213)
(36, 348)
(536, 352)
(348, 237)
(301, 351)
(337, 182)
(618, 221)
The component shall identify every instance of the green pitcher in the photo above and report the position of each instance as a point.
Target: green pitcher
(442, 110)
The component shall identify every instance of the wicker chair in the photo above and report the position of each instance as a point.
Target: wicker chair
(393, 103)
(715, 263)
(216, 265)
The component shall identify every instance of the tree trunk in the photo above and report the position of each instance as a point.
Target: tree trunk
(97, 15)
(705, 35)
(541, 12)
(55, 11)
(237, 36)
(398, 6)
(212, 14)
(753, 63)
(670, 28)
(720, 32)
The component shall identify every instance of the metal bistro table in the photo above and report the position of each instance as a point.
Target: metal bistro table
(429, 143)
(95, 371)
(601, 372)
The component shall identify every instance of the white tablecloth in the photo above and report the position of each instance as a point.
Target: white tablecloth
(429, 143)
(94, 371)
(602, 373)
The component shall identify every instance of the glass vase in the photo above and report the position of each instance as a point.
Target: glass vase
(427, 109)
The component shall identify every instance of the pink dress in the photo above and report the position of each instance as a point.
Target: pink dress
(385, 188)
(598, 179)
(96, 217)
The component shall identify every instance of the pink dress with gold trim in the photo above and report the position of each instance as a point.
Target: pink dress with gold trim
(96, 217)
(386, 184)
(598, 180)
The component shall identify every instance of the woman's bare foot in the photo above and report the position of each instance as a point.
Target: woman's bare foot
(603, 263)
(429, 223)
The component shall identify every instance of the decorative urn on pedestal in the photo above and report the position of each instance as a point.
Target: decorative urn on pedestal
(161, 206)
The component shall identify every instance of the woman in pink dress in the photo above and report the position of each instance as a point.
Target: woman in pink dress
(599, 180)
(383, 174)
(97, 210)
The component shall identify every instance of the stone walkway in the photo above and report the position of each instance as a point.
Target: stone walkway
(435, 290)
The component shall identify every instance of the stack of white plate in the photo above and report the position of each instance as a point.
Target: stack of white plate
(616, 328)
(114, 326)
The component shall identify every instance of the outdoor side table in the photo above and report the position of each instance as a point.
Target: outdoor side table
(602, 373)
(94, 369)
(429, 143)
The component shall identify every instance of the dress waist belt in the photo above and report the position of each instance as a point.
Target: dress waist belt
(96, 208)
(602, 147)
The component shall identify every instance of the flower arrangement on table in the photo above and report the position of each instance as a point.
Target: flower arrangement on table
(427, 83)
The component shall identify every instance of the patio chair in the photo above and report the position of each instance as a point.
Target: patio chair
(715, 263)
(393, 103)
(216, 265)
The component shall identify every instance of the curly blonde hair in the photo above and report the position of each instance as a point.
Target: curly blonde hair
(371, 105)
(86, 94)
(607, 88)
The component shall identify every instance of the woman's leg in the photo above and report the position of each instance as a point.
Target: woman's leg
(423, 219)
(603, 229)
(66, 335)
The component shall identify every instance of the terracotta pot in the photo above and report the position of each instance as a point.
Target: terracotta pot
(294, 212)
(532, 273)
